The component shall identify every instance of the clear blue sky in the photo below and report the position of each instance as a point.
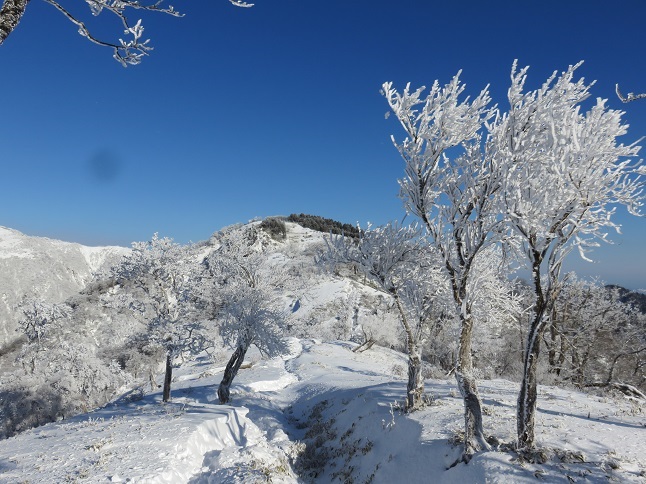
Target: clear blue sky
(272, 110)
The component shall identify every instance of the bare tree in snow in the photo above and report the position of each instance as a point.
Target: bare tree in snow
(397, 261)
(456, 199)
(127, 52)
(566, 176)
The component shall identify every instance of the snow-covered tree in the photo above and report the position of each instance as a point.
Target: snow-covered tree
(127, 52)
(244, 286)
(250, 317)
(158, 282)
(397, 261)
(39, 318)
(60, 371)
(566, 174)
(591, 331)
(453, 188)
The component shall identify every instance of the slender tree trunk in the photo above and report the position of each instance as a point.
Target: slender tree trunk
(415, 385)
(230, 372)
(552, 358)
(474, 439)
(168, 376)
(10, 14)
(527, 397)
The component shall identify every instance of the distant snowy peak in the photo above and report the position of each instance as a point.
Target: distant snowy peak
(49, 269)
(16, 244)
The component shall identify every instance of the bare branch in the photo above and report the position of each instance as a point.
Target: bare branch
(630, 97)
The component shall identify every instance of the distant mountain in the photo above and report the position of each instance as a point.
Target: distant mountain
(48, 269)
(637, 299)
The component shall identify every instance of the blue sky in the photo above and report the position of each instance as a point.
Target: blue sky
(273, 110)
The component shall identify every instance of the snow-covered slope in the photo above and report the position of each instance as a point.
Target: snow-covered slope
(322, 413)
(49, 269)
(325, 414)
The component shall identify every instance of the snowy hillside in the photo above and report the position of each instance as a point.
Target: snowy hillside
(324, 414)
(50, 269)
(319, 413)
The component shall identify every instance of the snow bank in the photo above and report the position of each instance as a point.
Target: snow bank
(148, 443)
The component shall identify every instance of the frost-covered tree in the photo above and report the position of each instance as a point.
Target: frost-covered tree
(593, 337)
(39, 317)
(158, 282)
(127, 52)
(250, 317)
(566, 174)
(59, 372)
(453, 188)
(397, 261)
(244, 284)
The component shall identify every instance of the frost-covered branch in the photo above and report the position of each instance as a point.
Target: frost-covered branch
(630, 96)
(127, 52)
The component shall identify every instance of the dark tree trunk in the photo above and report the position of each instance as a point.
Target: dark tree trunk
(230, 372)
(474, 439)
(168, 376)
(527, 397)
(10, 14)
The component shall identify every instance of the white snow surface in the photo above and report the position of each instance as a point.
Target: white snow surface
(11, 244)
(324, 414)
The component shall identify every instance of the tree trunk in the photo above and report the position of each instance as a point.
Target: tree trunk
(168, 376)
(230, 372)
(415, 386)
(527, 397)
(552, 355)
(10, 15)
(474, 439)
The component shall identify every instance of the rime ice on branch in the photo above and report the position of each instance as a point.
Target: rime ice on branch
(126, 52)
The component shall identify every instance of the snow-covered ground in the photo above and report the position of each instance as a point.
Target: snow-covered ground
(325, 414)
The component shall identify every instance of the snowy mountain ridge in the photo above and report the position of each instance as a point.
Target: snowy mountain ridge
(50, 269)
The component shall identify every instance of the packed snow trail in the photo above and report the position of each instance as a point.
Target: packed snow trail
(191, 438)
